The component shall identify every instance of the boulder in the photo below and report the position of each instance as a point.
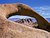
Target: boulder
(10, 29)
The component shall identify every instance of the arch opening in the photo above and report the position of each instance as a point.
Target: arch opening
(26, 20)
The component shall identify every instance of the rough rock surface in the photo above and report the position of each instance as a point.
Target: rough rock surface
(10, 29)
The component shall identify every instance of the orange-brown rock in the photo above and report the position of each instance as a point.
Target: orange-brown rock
(10, 29)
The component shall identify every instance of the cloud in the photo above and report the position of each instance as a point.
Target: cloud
(43, 10)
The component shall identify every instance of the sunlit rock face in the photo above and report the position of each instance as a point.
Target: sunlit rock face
(26, 20)
(11, 29)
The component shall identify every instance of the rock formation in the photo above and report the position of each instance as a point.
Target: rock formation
(10, 29)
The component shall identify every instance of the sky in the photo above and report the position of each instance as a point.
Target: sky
(41, 6)
(29, 2)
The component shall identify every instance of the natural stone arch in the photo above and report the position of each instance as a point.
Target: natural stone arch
(10, 29)
(26, 10)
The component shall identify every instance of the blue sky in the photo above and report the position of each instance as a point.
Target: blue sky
(41, 6)
(29, 2)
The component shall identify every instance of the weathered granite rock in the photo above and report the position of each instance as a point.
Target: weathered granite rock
(22, 9)
(10, 29)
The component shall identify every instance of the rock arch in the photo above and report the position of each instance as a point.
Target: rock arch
(26, 10)
(10, 29)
